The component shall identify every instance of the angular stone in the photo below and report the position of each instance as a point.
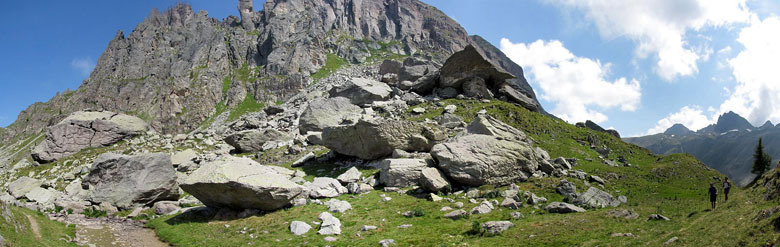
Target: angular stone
(298, 228)
(362, 91)
(563, 208)
(40, 195)
(456, 214)
(252, 141)
(325, 187)
(378, 138)
(567, 189)
(496, 227)
(165, 207)
(330, 225)
(483, 208)
(433, 180)
(241, 183)
(596, 198)
(183, 157)
(401, 172)
(350, 176)
(338, 206)
(128, 181)
(476, 160)
(85, 129)
(22, 185)
(321, 113)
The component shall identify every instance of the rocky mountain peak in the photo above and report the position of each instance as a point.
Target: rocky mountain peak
(730, 121)
(678, 130)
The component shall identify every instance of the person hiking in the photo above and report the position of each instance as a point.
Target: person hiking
(726, 187)
(713, 194)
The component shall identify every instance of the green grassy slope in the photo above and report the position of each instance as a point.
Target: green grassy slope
(16, 228)
(674, 186)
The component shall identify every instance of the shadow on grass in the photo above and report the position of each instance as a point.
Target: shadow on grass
(205, 214)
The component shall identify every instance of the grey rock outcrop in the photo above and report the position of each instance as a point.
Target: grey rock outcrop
(251, 141)
(298, 228)
(488, 125)
(330, 225)
(496, 227)
(477, 160)
(433, 180)
(326, 112)
(361, 91)
(378, 138)
(129, 181)
(338, 206)
(241, 183)
(85, 129)
(324, 187)
(350, 176)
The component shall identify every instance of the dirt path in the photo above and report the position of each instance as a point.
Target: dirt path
(34, 226)
(112, 232)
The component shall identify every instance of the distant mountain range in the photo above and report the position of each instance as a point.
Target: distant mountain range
(727, 146)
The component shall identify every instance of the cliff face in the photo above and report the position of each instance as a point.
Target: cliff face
(178, 68)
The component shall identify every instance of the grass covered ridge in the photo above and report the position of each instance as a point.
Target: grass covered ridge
(674, 186)
(16, 228)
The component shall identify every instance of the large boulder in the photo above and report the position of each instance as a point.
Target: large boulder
(129, 181)
(252, 141)
(563, 208)
(22, 185)
(40, 195)
(477, 160)
(596, 198)
(323, 113)
(488, 125)
(433, 180)
(362, 91)
(241, 183)
(401, 172)
(468, 71)
(325, 187)
(85, 129)
(378, 138)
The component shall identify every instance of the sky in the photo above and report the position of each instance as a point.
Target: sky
(637, 66)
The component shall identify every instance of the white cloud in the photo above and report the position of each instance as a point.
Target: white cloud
(574, 84)
(757, 93)
(659, 27)
(692, 117)
(83, 65)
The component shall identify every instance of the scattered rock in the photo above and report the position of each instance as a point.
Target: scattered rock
(386, 242)
(330, 225)
(22, 185)
(241, 183)
(516, 215)
(368, 228)
(671, 240)
(129, 181)
(597, 179)
(496, 227)
(658, 217)
(252, 141)
(433, 180)
(350, 176)
(298, 228)
(483, 208)
(299, 162)
(563, 208)
(330, 239)
(511, 203)
(623, 213)
(359, 188)
(325, 187)
(165, 207)
(534, 200)
(435, 198)
(404, 226)
(456, 214)
(338, 206)
(596, 198)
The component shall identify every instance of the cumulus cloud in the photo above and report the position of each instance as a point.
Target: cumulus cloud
(692, 117)
(659, 27)
(83, 65)
(756, 95)
(574, 84)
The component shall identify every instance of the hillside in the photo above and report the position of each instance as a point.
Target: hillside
(727, 146)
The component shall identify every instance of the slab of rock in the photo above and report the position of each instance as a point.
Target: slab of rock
(85, 129)
(330, 225)
(338, 206)
(242, 183)
(496, 227)
(183, 157)
(476, 160)
(567, 189)
(359, 188)
(401, 172)
(301, 161)
(328, 112)
(298, 228)
(433, 180)
(325, 187)
(534, 200)
(623, 213)
(488, 125)
(658, 217)
(350, 176)
(129, 181)
(252, 141)
(456, 214)
(361, 91)
(22, 185)
(40, 195)
(563, 208)
(165, 207)
(483, 208)
(511, 203)
(561, 163)
(596, 198)
(378, 138)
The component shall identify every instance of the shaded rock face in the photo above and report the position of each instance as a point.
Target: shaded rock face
(241, 183)
(129, 181)
(376, 139)
(85, 129)
(326, 112)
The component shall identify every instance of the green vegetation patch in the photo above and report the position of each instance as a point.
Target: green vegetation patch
(332, 64)
(248, 105)
(16, 228)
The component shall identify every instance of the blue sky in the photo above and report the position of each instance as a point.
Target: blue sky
(636, 66)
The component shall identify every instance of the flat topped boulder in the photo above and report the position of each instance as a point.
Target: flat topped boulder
(242, 183)
(328, 112)
(19, 187)
(488, 125)
(378, 138)
(361, 91)
(85, 129)
(130, 181)
(251, 141)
